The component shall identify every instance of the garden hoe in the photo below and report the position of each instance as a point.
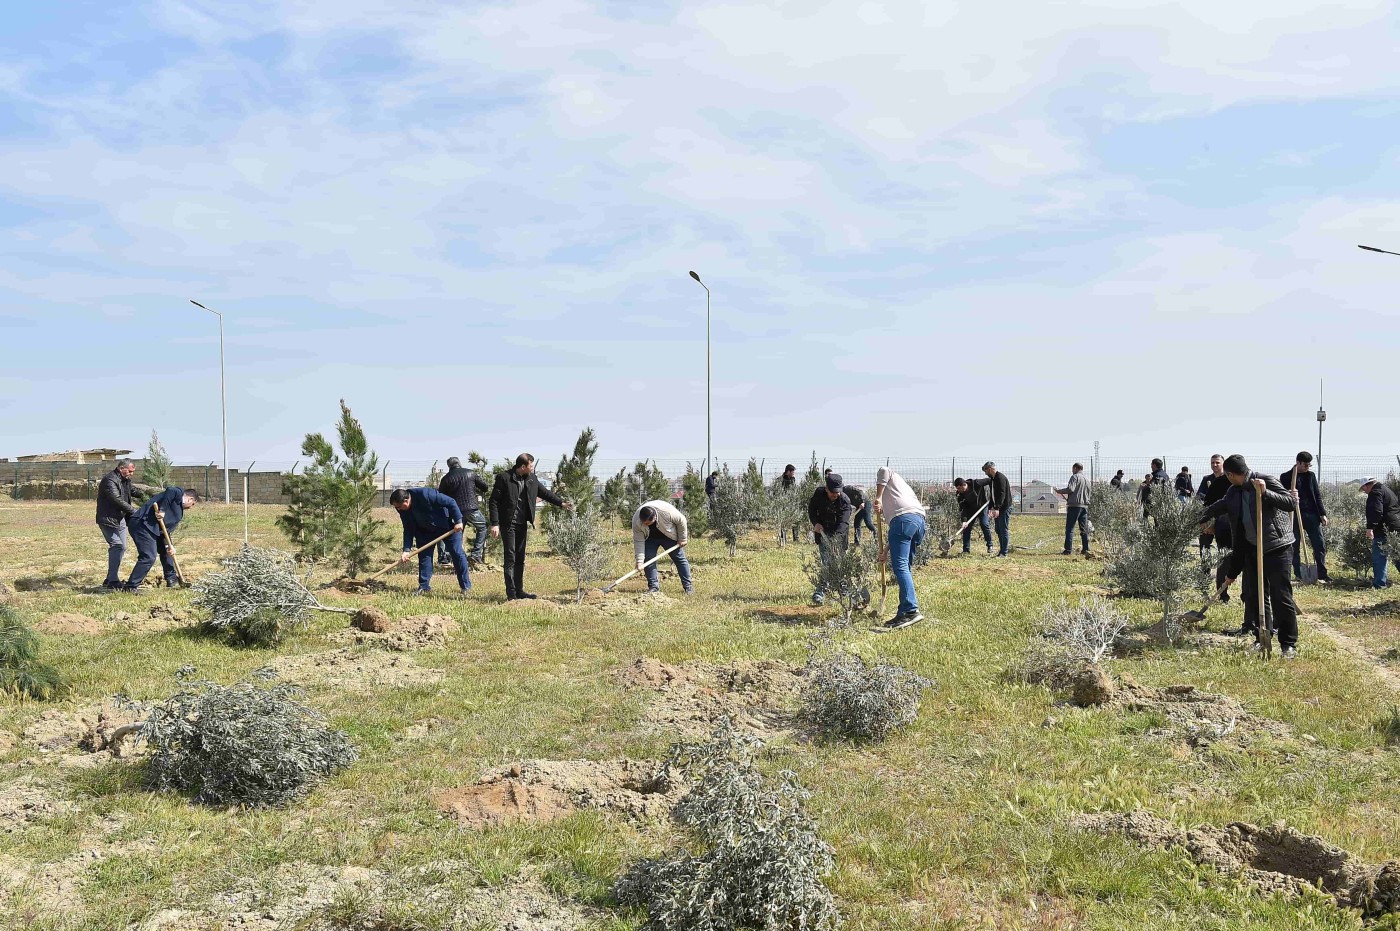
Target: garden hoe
(1266, 623)
(1307, 568)
(641, 567)
(398, 562)
(170, 547)
(945, 545)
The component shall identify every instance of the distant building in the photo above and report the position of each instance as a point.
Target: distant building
(78, 456)
(1041, 498)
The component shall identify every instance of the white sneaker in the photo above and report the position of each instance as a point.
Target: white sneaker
(1290, 652)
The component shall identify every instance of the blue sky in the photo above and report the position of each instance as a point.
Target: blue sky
(931, 228)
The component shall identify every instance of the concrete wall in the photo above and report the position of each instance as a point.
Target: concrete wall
(263, 487)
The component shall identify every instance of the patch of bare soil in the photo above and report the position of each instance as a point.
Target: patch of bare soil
(45, 583)
(420, 632)
(1202, 718)
(156, 619)
(355, 669)
(546, 790)
(83, 736)
(1273, 859)
(77, 624)
(692, 698)
(1387, 676)
(25, 800)
(29, 886)
(633, 604)
(287, 897)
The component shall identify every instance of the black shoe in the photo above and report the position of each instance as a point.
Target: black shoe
(444, 565)
(900, 621)
(1067, 553)
(131, 589)
(526, 596)
(1241, 631)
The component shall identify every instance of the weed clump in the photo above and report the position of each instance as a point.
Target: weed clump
(1073, 637)
(251, 743)
(754, 860)
(22, 674)
(256, 598)
(846, 698)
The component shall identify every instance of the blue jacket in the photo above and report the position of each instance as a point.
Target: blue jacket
(172, 508)
(429, 512)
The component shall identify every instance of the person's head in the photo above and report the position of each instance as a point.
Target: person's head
(1368, 483)
(1217, 464)
(789, 469)
(960, 484)
(714, 474)
(453, 462)
(1156, 465)
(1236, 469)
(647, 515)
(126, 468)
(1119, 475)
(1304, 460)
(524, 464)
(400, 499)
(826, 471)
(833, 485)
(1077, 468)
(1185, 470)
(990, 468)
(191, 499)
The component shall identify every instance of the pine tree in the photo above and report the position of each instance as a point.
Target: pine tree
(644, 483)
(330, 514)
(155, 471)
(694, 502)
(733, 509)
(573, 480)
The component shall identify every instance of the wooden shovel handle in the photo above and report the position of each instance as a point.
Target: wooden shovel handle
(169, 547)
(641, 567)
(420, 549)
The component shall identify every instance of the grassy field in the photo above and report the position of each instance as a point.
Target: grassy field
(960, 821)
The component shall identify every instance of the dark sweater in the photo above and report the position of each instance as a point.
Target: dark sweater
(114, 500)
(462, 486)
(1309, 492)
(970, 501)
(834, 516)
(1382, 508)
(172, 508)
(1212, 489)
(429, 512)
(998, 489)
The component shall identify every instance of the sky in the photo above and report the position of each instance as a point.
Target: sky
(929, 228)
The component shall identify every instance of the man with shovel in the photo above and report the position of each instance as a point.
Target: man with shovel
(150, 527)
(427, 514)
(829, 510)
(1248, 490)
(896, 500)
(1301, 481)
(972, 509)
(658, 526)
(1211, 490)
(1382, 519)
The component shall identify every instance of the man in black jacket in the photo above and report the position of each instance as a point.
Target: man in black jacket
(860, 508)
(1382, 519)
(998, 505)
(1211, 490)
(113, 508)
(1249, 490)
(1309, 497)
(829, 510)
(463, 486)
(513, 514)
(1185, 488)
(970, 501)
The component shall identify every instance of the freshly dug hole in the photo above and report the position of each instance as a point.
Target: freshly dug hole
(546, 790)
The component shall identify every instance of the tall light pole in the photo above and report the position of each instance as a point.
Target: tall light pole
(1321, 417)
(709, 458)
(223, 395)
(1367, 248)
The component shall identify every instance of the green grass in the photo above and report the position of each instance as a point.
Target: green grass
(956, 822)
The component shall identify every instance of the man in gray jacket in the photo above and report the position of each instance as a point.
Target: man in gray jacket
(113, 508)
(658, 526)
(1077, 498)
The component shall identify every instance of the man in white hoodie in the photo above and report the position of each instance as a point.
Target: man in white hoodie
(896, 501)
(658, 526)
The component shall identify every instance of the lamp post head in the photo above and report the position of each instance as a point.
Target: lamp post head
(1374, 249)
(696, 277)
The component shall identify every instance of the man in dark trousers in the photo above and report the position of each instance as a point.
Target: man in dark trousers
(1247, 491)
(998, 504)
(513, 514)
(146, 535)
(860, 508)
(1185, 486)
(1211, 490)
(970, 501)
(1308, 494)
(1382, 519)
(464, 486)
(113, 508)
(711, 481)
(829, 510)
(1076, 493)
(1157, 477)
(426, 515)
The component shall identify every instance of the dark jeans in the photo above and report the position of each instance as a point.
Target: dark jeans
(454, 551)
(1312, 525)
(513, 539)
(148, 547)
(1279, 606)
(477, 521)
(1079, 516)
(116, 549)
(655, 543)
(863, 517)
(1003, 523)
(983, 521)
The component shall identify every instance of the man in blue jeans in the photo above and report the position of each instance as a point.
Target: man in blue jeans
(896, 501)
(1382, 518)
(427, 514)
(656, 527)
(998, 505)
(1077, 513)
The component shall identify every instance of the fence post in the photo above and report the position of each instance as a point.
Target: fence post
(1023, 484)
(954, 470)
(384, 486)
(245, 508)
(53, 467)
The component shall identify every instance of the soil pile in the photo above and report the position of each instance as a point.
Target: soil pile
(1202, 718)
(355, 669)
(1273, 859)
(758, 696)
(420, 632)
(546, 790)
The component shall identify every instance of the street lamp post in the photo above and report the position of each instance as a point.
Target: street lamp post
(1367, 248)
(223, 396)
(709, 459)
(1321, 418)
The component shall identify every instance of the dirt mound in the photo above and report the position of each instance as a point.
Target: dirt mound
(82, 736)
(69, 624)
(1202, 718)
(634, 604)
(158, 618)
(692, 698)
(355, 669)
(1273, 859)
(358, 586)
(1091, 685)
(546, 790)
(371, 620)
(420, 632)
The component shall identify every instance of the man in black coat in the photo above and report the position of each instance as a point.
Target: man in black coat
(829, 510)
(513, 514)
(860, 508)
(113, 508)
(1382, 519)
(998, 505)
(464, 486)
(1249, 490)
(970, 501)
(1308, 494)
(1211, 490)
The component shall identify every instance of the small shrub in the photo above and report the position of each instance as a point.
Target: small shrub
(755, 860)
(251, 743)
(694, 502)
(578, 540)
(1155, 557)
(943, 518)
(256, 597)
(1345, 533)
(733, 510)
(843, 572)
(22, 675)
(844, 697)
(1073, 636)
(784, 510)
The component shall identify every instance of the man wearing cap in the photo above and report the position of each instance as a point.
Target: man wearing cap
(1382, 518)
(1301, 480)
(658, 526)
(829, 510)
(1076, 494)
(895, 500)
(970, 501)
(998, 505)
(1117, 480)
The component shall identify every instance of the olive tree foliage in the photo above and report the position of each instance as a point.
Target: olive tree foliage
(844, 697)
(578, 539)
(1345, 534)
(252, 743)
(155, 470)
(1111, 511)
(1073, 636)
(1155, 557)
(942, 519)
(255, 597)
(694, 502)
(22, 673)
(843, 571)
(434, 477)
(753, 858)
(330, 513)
(733, 510)
(784, 510)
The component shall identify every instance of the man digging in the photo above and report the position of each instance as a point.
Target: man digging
(896, 500)
(829, 510)
(149, 539)
(971, 511)
(427, 514)
(658, 526)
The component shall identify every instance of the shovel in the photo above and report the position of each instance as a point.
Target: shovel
(1307, 568)
(400, 560)
(946, 545)
(1266, 623)
(880, 538)
(641, 567)
(169, 547)
(1196, 617)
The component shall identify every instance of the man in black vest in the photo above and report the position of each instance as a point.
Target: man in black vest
(513, 514)
(464, 486)
(113, 508)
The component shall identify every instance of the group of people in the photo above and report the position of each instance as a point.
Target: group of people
(148, 527)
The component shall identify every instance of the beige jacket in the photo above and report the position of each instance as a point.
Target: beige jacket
(669, 521)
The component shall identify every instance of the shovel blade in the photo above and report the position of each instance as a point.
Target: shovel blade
(1307, 573)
